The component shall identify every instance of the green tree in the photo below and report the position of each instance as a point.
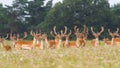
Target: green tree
(78, 12)
(116, 14)
(16, 14)
(3, 20)
(36, 12)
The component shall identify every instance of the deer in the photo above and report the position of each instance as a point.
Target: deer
(113, 41)
(7, 47)
(67, 42)
(16, 37)
(40, 43)
(80, 37)
(85, 33)
(117, 39)
(13, 38)
(96, 42)
(20, 44)
(57, 38)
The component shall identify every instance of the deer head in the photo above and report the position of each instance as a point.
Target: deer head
(113, 34)
(97, 34)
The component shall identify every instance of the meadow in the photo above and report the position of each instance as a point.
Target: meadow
(83, 57)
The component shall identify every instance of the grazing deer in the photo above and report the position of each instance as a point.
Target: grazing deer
(5, 46)
(96, 42)
(114, 41)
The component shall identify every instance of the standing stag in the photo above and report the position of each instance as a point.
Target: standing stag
(96, 42)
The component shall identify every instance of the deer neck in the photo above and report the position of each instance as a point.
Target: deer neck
(112, 41)
(66, 41)
(35, 41)
(77, 42)
(41, 44)
(1, 44)
(46, 41)
(58, 43)
(96, 41)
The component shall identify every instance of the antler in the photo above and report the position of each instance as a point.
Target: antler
(117, 30)
(31, 33)
(75, 28)
(54, 29)
(25, 35)
(52, 33)
(70, 32)
(7, 36)
(85, 29)
(92, 30)
(102, 29)
(65, 29)
(109, 31)
(114, 33)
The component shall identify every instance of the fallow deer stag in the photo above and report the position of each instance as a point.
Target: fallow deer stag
(114, 41)
(80, 38)
(13, 38)
(96, 42)
(67, 42)
(40, 43)
(5, 46)
(57, 38)
(117, 39)
(29, 44)
(85, 33)
(16, 38)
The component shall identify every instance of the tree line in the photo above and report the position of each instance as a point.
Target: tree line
(26, 15)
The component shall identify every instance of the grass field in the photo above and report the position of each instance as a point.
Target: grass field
(84, 57)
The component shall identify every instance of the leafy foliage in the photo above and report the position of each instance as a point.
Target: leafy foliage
(26, 15)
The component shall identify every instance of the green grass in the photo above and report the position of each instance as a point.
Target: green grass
(85, 57)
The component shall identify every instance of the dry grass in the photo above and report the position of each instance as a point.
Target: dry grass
(85, 57)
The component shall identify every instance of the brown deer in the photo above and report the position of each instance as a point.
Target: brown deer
(57, 38)
(7, 47)
(40, 43)
(114, 41)
(67, 42)
(85, 33)
(20, 44)
(80, 37)
(96, 42)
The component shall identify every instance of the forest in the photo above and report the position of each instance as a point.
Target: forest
(26, 15)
